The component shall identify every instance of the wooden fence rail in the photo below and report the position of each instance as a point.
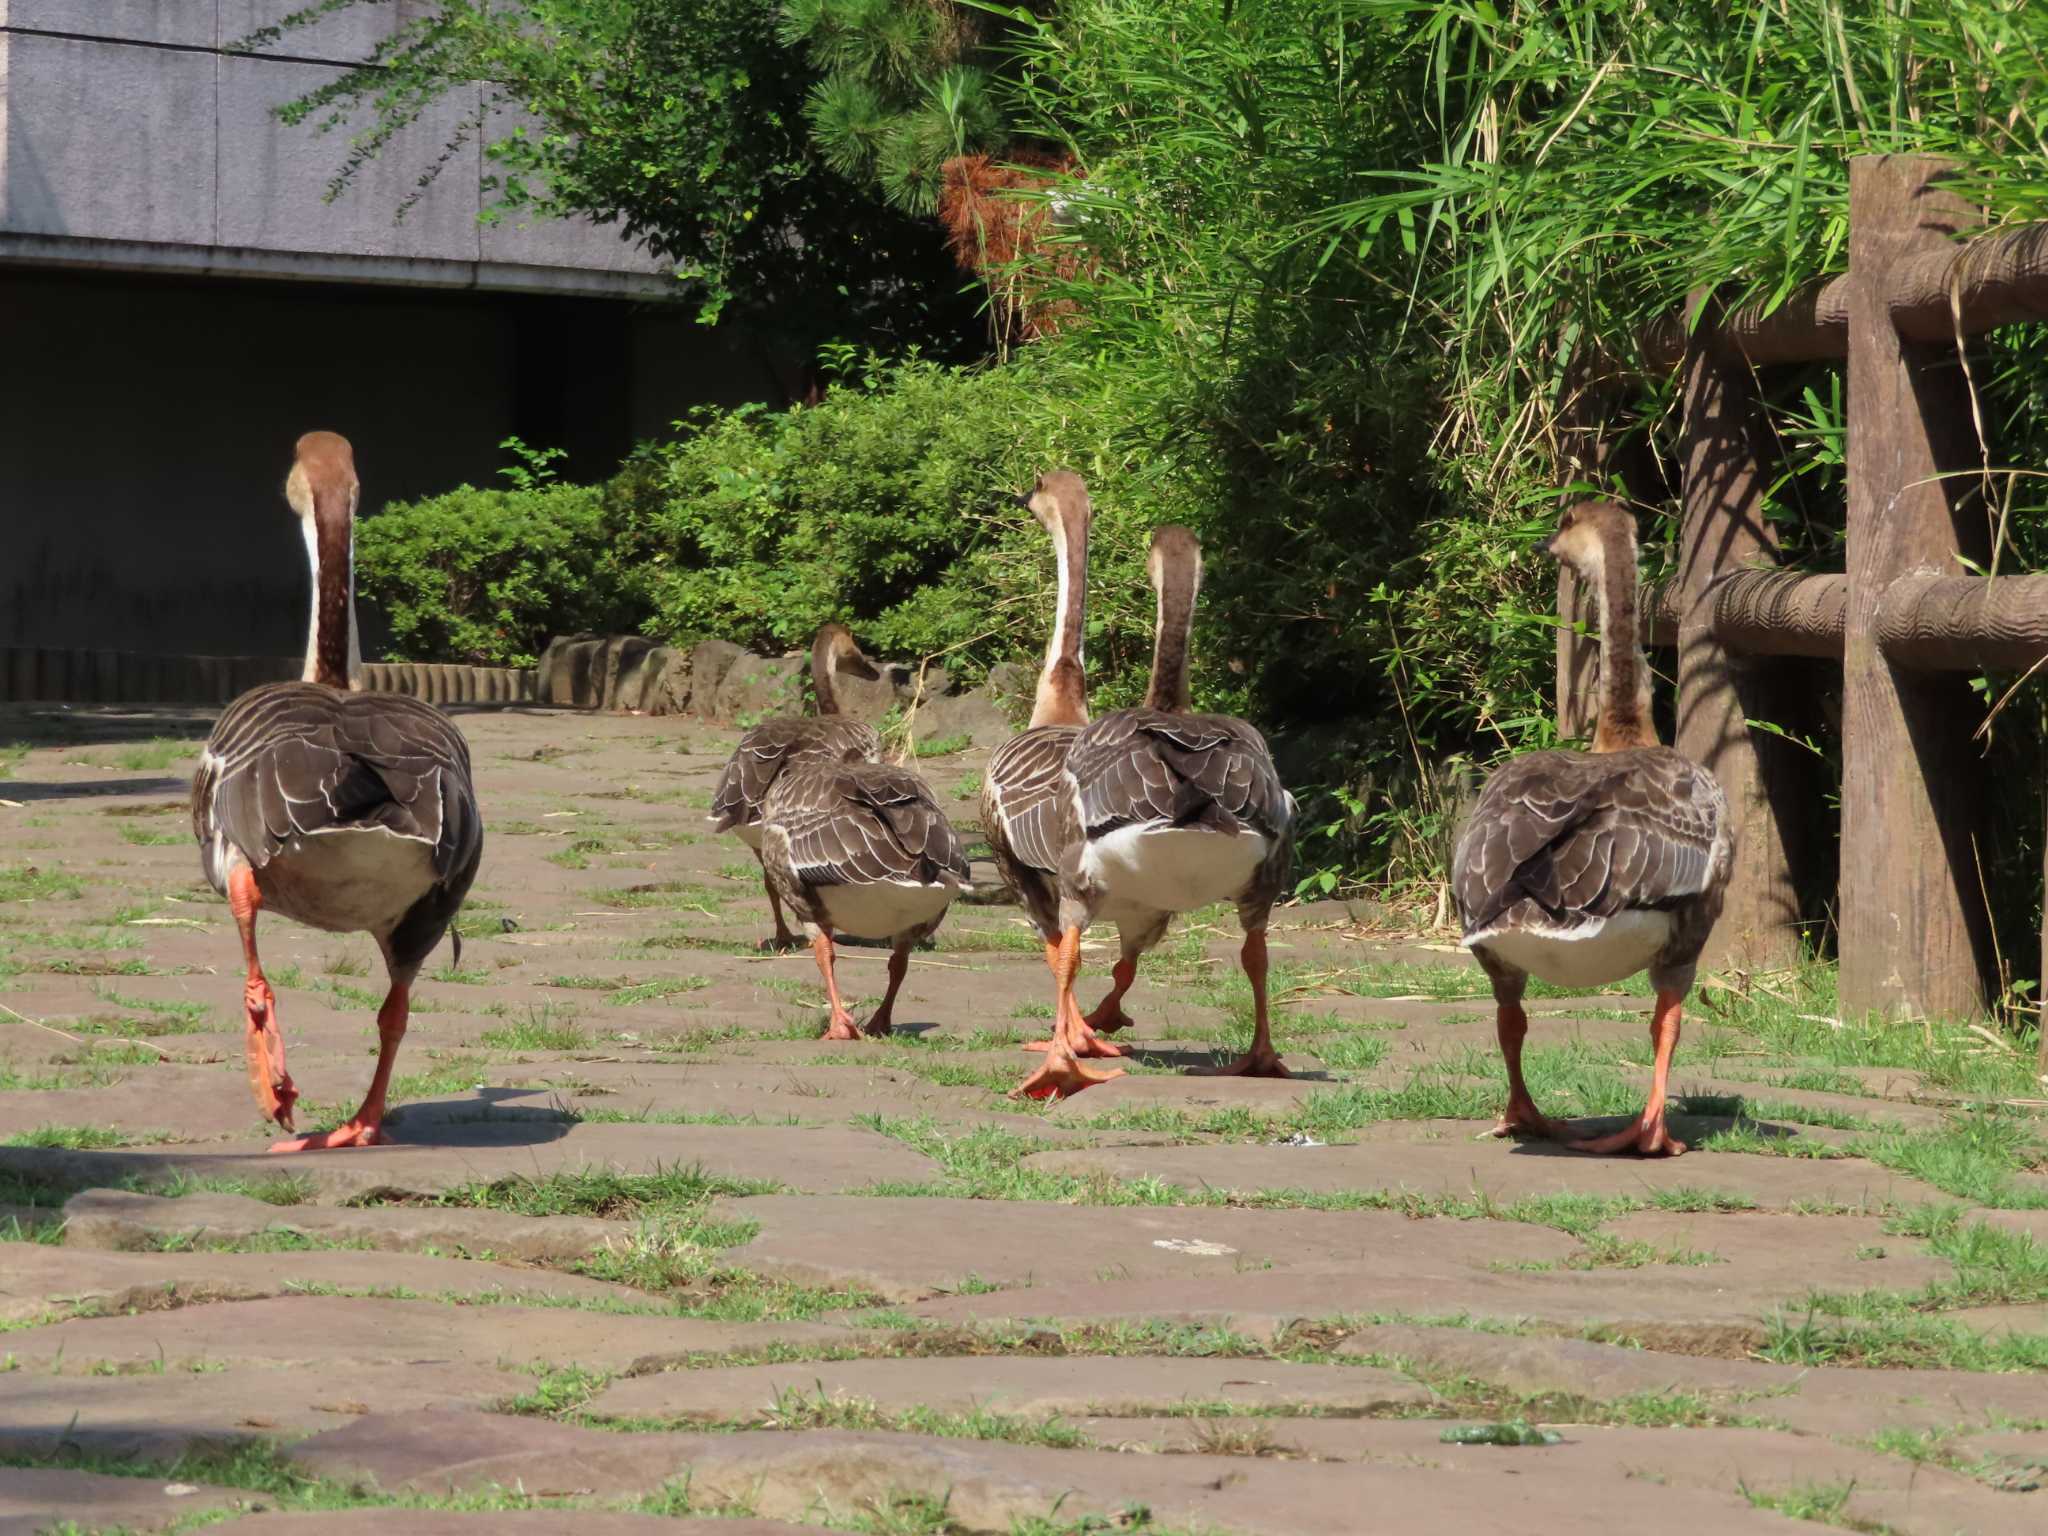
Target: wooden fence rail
(1903, 619)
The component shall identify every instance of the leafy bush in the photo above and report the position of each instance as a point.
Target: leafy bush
(486, 576)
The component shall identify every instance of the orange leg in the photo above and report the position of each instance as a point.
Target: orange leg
(841, 1027)
(263, 1042)
(1109, 1015)
(899, 962)
(1261, 1060)
(1081, 1039)
(1511, 1024)
(366, 1128)
(1648, 1135)
(1062, 1074)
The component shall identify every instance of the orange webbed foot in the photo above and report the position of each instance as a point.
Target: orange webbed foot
(353, 1133)
(1522, 1118)
(1645, 1137)
(264, 1046)
(841, 1028)
(1107, 1020)
(1061, 1076)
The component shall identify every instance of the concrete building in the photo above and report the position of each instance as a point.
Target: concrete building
(179, 300)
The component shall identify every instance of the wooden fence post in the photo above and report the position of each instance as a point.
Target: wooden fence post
(1722, 528)
(1915, 938)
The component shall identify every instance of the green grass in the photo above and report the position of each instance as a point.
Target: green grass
(944, 746)
(543, 1029)
(1974, 1156)
(142, 837)
(28, 882)
(654, 991)
(77, 1138)
(155, 755)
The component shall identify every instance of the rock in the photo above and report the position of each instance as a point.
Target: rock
(937, 683)
(757, 688)
(1010, 681)
(570, 672)
(710, 660)
(656, 682)
(867, 698)
(972, 714)
(583, 671)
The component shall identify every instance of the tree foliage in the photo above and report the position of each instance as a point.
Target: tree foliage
(680, 121)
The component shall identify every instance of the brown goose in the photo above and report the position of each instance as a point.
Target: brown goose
(1024, 789)
(859, 848)
(349, 812)
(1586, 867)
(1167, 811)
(763, 751)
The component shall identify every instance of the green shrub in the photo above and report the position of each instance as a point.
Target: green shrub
(486, 576)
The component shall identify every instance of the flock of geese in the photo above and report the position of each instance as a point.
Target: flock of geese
(355, 812)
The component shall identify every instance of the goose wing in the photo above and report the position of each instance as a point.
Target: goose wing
(1145, 765)
(294, 760)
(1027, 806)
(751, 770)
(861, 823)
(1561, 841)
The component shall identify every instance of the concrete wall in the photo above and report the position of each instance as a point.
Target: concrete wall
(130, 139)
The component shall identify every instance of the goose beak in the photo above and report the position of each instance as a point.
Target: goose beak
(1022, 499)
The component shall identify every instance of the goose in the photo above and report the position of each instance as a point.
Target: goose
(1166, 811)
(1023, 789)
(763, 751)
(346, 811)
(1586, 867)
(860, 848)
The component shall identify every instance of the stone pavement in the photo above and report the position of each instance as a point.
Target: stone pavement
(645, 1251)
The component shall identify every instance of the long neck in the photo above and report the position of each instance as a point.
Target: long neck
(1063, 683)
(1625, 719)
(822, 681)
(332, 653)
(1169, 687)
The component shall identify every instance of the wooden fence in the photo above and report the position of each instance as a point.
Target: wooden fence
(1904, 620)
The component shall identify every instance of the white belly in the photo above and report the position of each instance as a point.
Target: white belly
(1625, 944)
(356, 881)
(884, 909)
(750, 834)
(1150, 868)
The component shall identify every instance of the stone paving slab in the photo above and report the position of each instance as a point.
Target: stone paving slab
(158, 1416)
(988, 1486)
(1817, 1400)
(1058, 1387)
(33, 1499)
(182, 1104)
(449, 1155)
(38, 1279)
(1907, 1498)
(114, 1218)
(530, 1522)
(335, 1332)
(910, 1248)
(1459, 1164)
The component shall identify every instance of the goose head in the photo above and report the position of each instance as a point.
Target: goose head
(834, 653)
(1587, 537)
(1059, 500)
